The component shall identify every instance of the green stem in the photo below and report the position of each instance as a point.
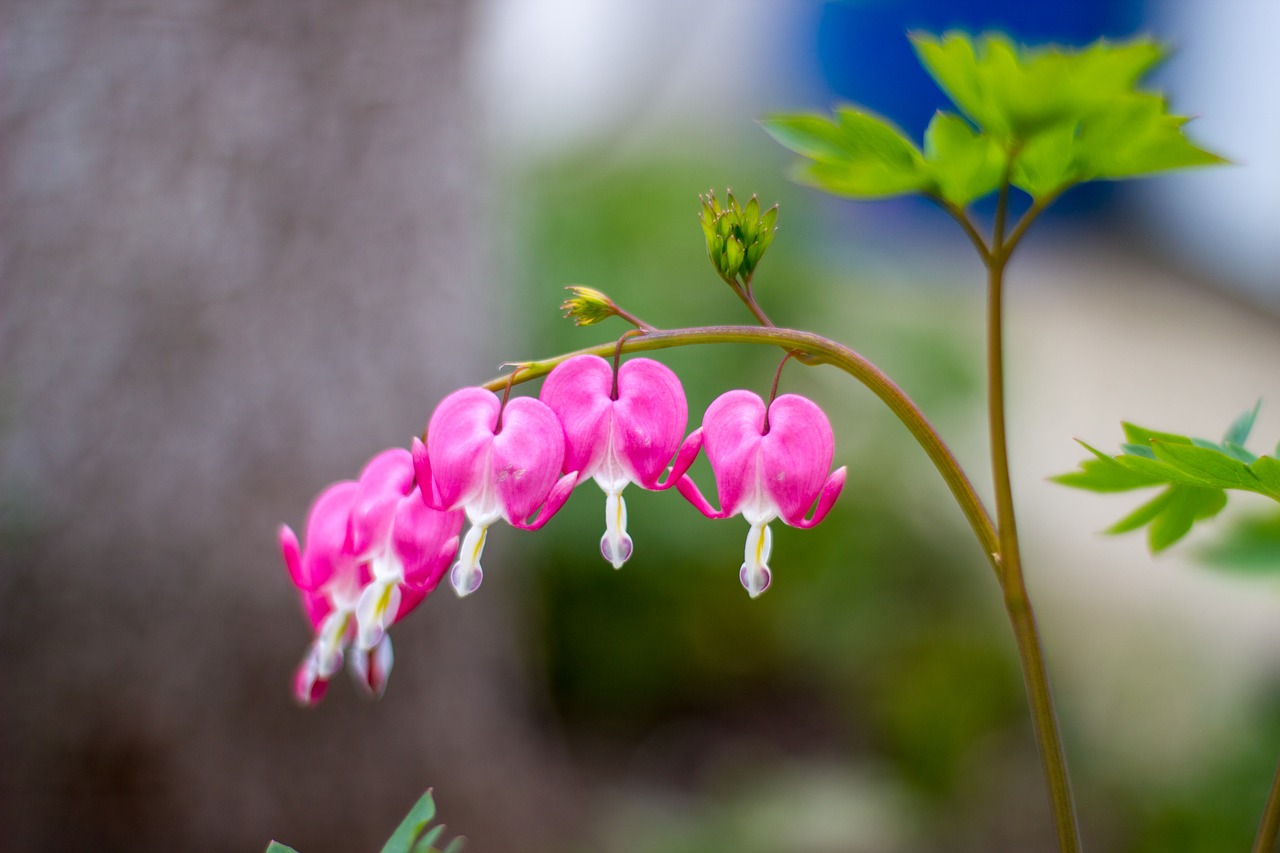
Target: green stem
(748, 298)
(1269, 829)
(819, 350)
(1017, 603)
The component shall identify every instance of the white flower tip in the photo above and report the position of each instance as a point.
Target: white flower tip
(465, 579)
(616, 550)
(756, 579)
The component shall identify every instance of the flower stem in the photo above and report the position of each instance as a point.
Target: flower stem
(1017, 602)
(818, 350)
(1269, 828)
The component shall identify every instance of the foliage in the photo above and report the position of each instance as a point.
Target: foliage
(1196, 475)
(414, 834)
(1049, 118)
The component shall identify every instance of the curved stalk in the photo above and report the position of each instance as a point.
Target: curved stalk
(1269, 829)
(819, 350)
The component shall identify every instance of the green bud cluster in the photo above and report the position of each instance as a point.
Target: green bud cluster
(737, 236)
(587, 306)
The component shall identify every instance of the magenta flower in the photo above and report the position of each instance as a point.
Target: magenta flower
(494, 462)
(619, 432)
(767, 464)
(330, 580)
(373, 553)
(406, 544)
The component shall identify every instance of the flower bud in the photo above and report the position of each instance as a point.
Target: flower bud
(587, 306)
(736, 236)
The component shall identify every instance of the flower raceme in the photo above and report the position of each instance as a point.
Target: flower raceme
(373, 552)
(377, 546)
(768, 462)
(494, 462)
(618, 429)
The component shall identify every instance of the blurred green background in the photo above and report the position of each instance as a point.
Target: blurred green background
(871, 700)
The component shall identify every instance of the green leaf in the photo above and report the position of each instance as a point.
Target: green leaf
(965, 165)
(1171, 514)
(1238, 432)
(1105, 474)
(1015, 92)
(1142, 435)
(422, 813)
(1134, 136)
(426, 844)
(1267, 470)
(1185, 507)
(1163, 470)
(1143, 515)
(1046, 164)
(1208, 464)
(277, 847)
(855, 154)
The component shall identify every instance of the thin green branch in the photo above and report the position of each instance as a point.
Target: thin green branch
(1020, 228)
(819, 350)
(1269, 828)
(743, 289)
(960, 215)
(1017, 602)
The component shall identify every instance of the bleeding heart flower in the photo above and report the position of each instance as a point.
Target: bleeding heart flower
(373, 553)
(768, 463)
(329, 579)
(406, 544)
(494, 462)
(619, 431)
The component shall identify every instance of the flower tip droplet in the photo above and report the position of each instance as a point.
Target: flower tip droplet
(616, 549)
(755, 579)
(465, 579)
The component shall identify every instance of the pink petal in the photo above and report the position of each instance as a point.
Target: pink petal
(459, 438)
(578, 391)
(795, 455)
(325, 553)
(383, 483)
(650, 415)
(308, 687)
(291, 552)
(555, 499)
(731, 431)
(826, 499)
(527, 455)
(317, 607)
(425, 540)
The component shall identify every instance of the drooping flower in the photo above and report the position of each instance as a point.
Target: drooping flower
(494, 462)
(329, 579)
(768, 463)
(618, 431)
(406, 544)
(372, 549)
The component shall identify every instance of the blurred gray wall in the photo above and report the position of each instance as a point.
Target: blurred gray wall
(241, 256)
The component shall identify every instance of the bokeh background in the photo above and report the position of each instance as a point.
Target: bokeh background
(248, 244)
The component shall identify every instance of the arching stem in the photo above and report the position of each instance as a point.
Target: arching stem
(816, 350)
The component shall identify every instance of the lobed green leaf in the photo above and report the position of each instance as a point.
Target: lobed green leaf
(1208, 464)
(1196, 473)
(1105, 474)
(965, 165)
(855, 153)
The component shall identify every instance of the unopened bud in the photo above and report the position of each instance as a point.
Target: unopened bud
(736, 236)
(587, 306)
